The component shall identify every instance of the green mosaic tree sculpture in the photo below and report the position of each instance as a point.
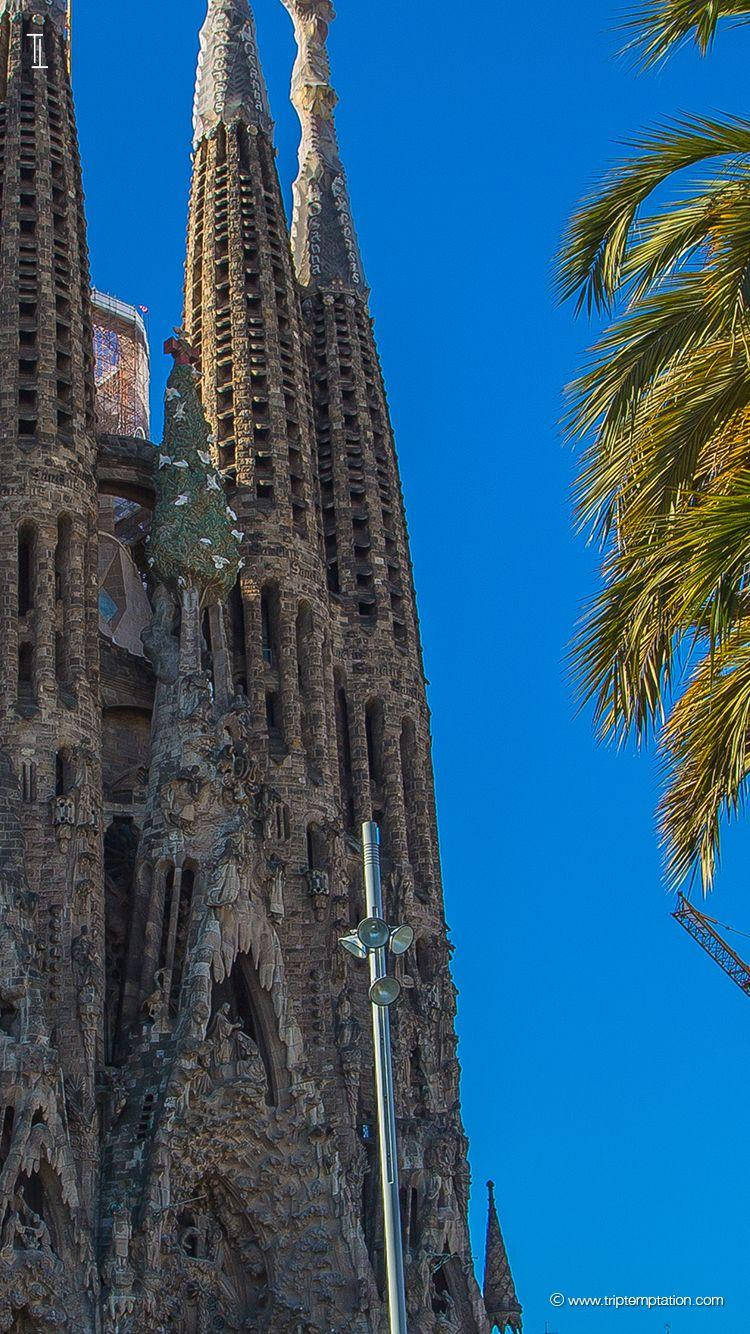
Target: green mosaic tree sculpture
(195, 541)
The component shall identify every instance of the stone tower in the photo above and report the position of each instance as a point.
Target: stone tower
(187, 1120)
(51, 920)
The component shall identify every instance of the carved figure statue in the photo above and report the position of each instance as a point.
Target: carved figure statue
(195, 696)
(83, 960)
(154, 1003)
(225, 884)
(160, 643)
(220, 1032)
(277, 875)
(117, 1271)
(23, 1230)
(180, 795)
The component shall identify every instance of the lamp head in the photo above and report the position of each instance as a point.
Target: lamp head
(402, 939)
(353, 945)
(385, 991)
(374, 933)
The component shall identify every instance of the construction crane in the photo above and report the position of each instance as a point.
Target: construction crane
(703, 929)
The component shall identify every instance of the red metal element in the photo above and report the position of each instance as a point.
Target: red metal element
(180, 349)
(703, 929)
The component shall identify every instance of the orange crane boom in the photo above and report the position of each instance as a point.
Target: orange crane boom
(703, 929)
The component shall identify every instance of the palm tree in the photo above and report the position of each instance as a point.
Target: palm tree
(664, 485)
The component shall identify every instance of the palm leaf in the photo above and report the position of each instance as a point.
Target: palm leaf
(663, 24)
(594, 250)
(707, 747)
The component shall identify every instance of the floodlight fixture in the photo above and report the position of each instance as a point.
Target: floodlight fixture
(353, 945)
(402, 939)
(374, 933)
(384, 991)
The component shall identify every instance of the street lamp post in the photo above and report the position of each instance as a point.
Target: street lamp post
(373, 940)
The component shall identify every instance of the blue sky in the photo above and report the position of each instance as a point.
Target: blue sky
(606, 1079)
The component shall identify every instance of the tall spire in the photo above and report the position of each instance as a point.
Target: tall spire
(230, 84)
(323, 237)
(503, 1307)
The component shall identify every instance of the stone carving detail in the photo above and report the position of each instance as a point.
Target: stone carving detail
(324, 236)
(160, 643)
(83, 959)
(117, 1272)
(319, 888)
(276, 877)
(230, 84)
(77, 809)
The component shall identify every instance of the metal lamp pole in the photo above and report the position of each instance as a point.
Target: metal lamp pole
(381, 1034)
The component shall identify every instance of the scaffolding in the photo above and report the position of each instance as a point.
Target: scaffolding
(122, 368)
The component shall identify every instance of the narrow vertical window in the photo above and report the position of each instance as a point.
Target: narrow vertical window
(374, 730)
(269, 626)
(26, 569)
(306, 678)
(26, 673)
(237, 629)
(62, 599)
(408, 746)
(343, 741)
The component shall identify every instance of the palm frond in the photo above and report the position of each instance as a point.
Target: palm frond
(661, 25)
(593, 253)
(654, 441)
(707, 745)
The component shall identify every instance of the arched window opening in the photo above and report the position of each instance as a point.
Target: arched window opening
(63, 577)
(184, 915)
(250, 1009)
(120, 851)
(166, 915)
(442, 1300)
(64, 772)
(207, 657)
(343, 742)
(306, 677)
(372, 1214)
(317, 848)
(38, 1211)
(10, 1018)
(408, 747)
(176, 920)
(273, 717)
(413, 1219)
(126, 753)
(237, 630)
(26, 568)
(28, 782)
(60, 664)
(374, 729)
(62, 557)
(282, 822)
(26, 673)
(269, 620)
(417, 1083)
(426, 961)
(6, 1134)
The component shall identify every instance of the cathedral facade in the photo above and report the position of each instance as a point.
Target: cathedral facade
(211, 677)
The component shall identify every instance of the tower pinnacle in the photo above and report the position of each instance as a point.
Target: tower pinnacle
(503, 1307)
(323, 237)
(230, 84)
